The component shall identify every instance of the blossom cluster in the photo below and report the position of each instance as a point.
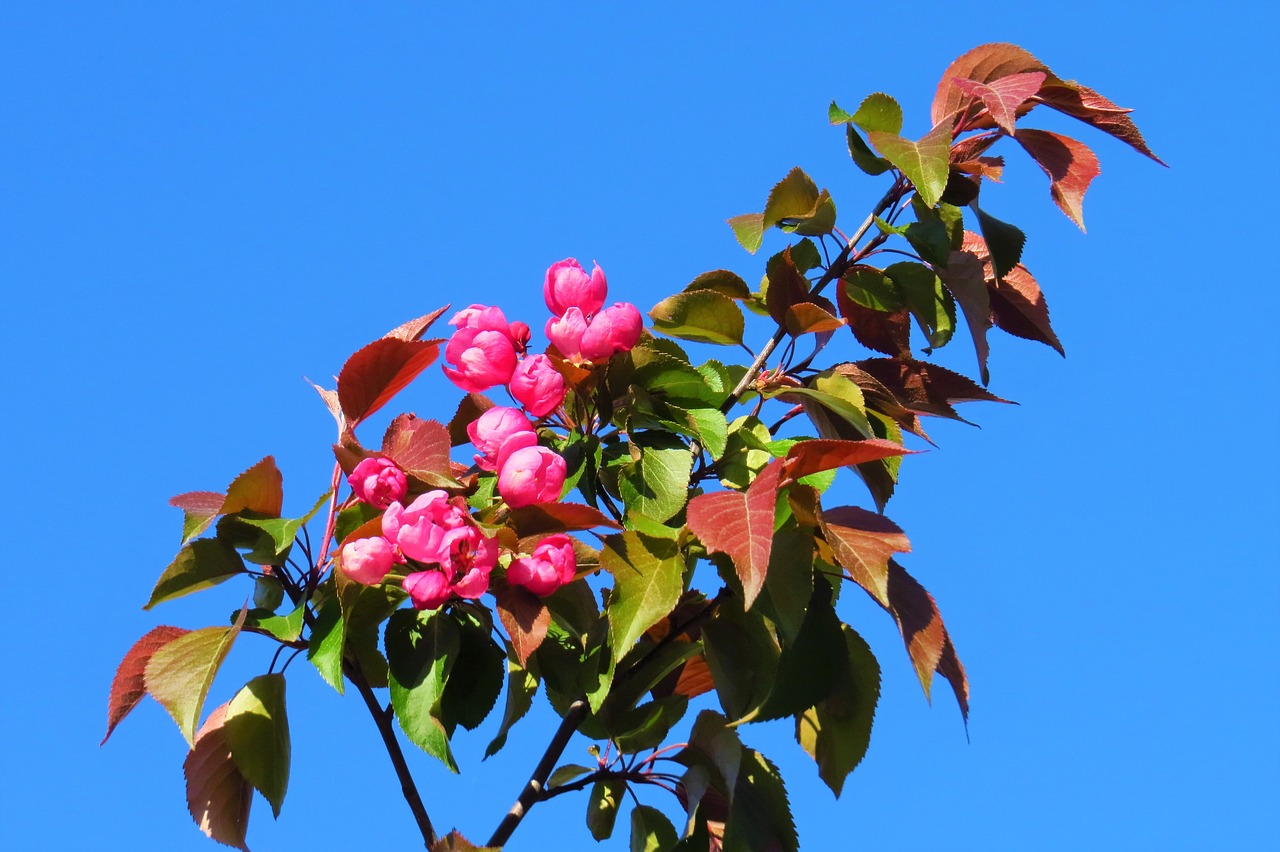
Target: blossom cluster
(444, 551)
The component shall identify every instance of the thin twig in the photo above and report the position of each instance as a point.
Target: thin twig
(382, 718)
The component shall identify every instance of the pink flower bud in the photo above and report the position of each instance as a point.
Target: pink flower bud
(428, 589)
(491, 430)
(615, 329)
(483, 318)
(537, 385)
(378, 482)
(517, 441)
(565, 332)
(531, 475)
(367, 560)
(552, 564)
(567, 286)
(480, 358)
(520, 335)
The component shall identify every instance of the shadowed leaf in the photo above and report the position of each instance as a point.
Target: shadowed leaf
(837, 730)
(651, 831)
(965, 278)
(525, 617)
(199, 508)
(926, 388)
(256, 728)
(218, 795)
(521, 687)
(602, 807)
(469, 410)
(740, 526)
(455, 842)
(1070, 165)
(1017, 305)
(421, 648)
(759, 815)
(201, 564)
(721, 281)
(129, 684)
(1004, 241)
(542, 518)
(179, 673)
(925, 635)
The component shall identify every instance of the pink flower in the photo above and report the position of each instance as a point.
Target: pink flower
(378, 482)
(419, 529)
(367, 560)
(537, 385)
(567, 286)
(552, 564)
(565, 332)
(428, 589)
(481, 359)
(483, 318)
(615, 329)
(530, 475)
(491, 430)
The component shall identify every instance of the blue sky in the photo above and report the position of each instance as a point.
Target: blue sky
(204, 203)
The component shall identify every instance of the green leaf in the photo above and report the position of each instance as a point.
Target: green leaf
(936, 232)
(834, 393)
(648, 574)
(421, 648)
(521, 687)
(199, 565)
(711, 428)
(714, 746)
(706, 316)
(657, 484)
(872, 289)
(749, 230)
(566, 773)
(1004, 241)
(671, 378)
(721, 281)
(286, 628)
(651, 831)
(742, 653)
(809, 665)
(760, 815)
(324, 648)
(129, 684)
(794, 196)
(837, 731)
(281, 531)
(602, 807)
(267, 593)
(475, 681)
(931, 304)
(179, 674)
(746, 452)
(789, 584)
(879, 113)
(862, 155)
(257, 729)
(925, 163)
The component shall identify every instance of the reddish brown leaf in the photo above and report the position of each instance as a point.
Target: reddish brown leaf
(471, 407)
(991, 168)
(880, 398)
(1003, 96)
(525, 617)
(972, 148)
(129, 685)
(379, 371)
(1093, 109)
(199, 502)
(787, 287)
(414, 329)
(694, 678)
(218, 796)
(420, 448)
(1017, 305)
(455, 842)
(258, 489)
(821, 454)
(925, 635)
(1070, 165)
(965, 278)
(926, 388)
(879, 331)
(544, 518)
(863, 543)
(984, 64)
(740, 526)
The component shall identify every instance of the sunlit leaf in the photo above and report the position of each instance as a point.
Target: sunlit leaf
(1070, 165)
(421, 648)
(740, 526)
(543, 518)
(1093, 109)
(180, 672)
(707, 316)
(982, 64)
(420, 448)
(1003, 96)
(878, 113)
(129, 684)
(925, 163)
(749, 230)
(647, 575)
(742, 652)
(964, 277)
(656, 485)
(379, 371)
(814, 455)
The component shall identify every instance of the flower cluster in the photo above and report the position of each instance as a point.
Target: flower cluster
(580, 330)
(508, 446)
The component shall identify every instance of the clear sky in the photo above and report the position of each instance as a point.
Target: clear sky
(202, 203)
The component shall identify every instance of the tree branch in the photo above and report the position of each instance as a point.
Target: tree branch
(382, 718)
(532, 790)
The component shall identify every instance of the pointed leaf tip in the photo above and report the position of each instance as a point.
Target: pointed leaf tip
(129, 684)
